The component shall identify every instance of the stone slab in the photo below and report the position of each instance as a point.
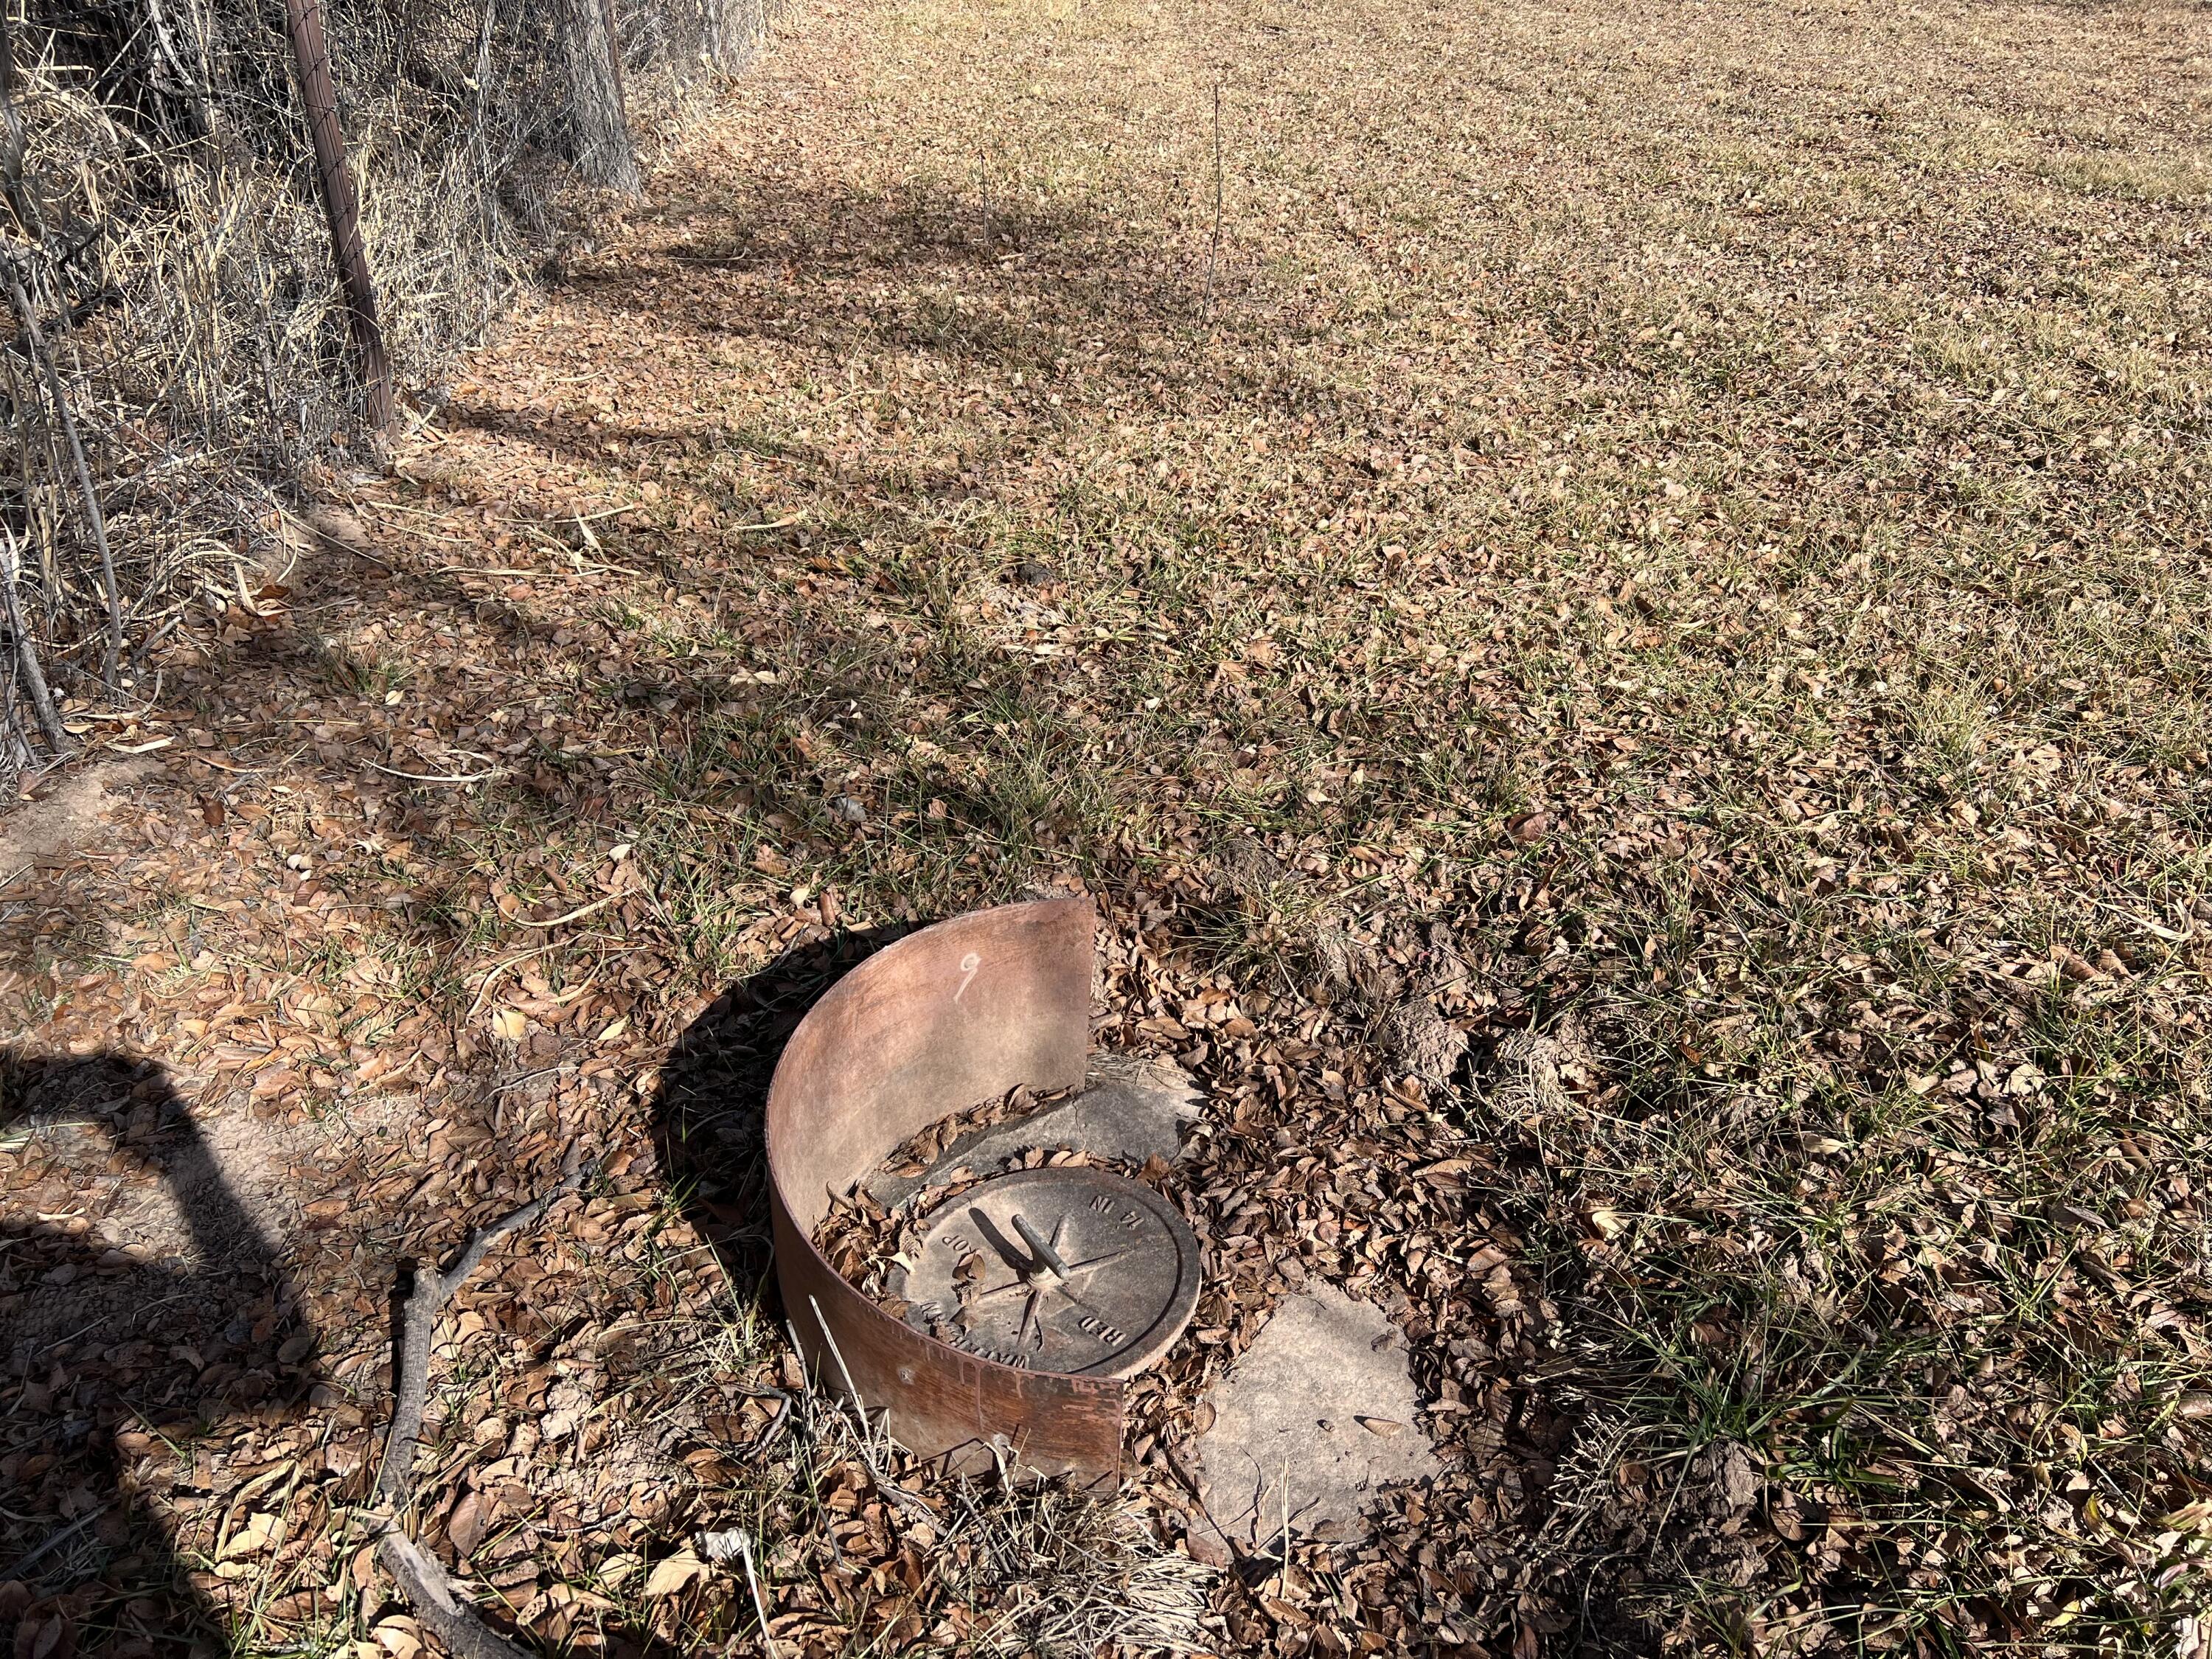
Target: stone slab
(1317, 1417)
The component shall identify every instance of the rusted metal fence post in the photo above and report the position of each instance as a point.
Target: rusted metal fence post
(311, 59)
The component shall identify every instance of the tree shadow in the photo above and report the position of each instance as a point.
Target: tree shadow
(921, 270)
(107, 1350)
(708, 1111)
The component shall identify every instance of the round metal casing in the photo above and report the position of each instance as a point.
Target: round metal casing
(955, 1013)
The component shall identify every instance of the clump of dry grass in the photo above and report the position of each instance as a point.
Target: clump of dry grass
(187, 312)
(1056, 1572)
(1003, 1560)
(169, 331)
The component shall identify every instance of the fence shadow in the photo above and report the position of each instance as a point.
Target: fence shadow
(105, 1350)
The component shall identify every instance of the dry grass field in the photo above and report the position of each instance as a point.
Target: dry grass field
(1679, 532)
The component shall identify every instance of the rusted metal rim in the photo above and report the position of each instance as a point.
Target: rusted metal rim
(943, 1019)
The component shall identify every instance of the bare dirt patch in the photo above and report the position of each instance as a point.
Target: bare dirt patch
(69, 818)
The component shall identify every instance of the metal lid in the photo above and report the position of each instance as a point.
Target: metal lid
(1069, 1270)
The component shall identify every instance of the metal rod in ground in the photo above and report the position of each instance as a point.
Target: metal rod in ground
(1214, 248)
(860, 1405)
(93, 517)
(311, 60)
(759, 1606)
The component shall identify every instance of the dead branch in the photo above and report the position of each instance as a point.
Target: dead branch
(19, 1568)
(430, 1592)
(418, 1321)
(430, 1589)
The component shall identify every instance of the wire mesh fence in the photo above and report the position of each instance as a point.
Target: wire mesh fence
(228, 228)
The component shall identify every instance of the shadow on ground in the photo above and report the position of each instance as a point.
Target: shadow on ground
(105, 1347)
(707, 1114)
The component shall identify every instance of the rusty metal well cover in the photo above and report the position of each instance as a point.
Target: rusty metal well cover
(950, 1015)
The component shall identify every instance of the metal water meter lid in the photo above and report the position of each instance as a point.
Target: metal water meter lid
(1069, 1269)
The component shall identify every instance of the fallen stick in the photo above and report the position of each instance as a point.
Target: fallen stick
(430, 1589)
(437, 1604)
(61, 1535)
(418, 1319)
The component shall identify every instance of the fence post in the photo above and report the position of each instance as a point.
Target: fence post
(19, 197)
(599, 123)
(615, 62)
(311, 58)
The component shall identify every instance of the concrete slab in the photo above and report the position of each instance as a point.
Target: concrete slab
(1316, 1417)
(1130, 1107)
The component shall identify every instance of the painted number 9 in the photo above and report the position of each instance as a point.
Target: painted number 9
(969, 964)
